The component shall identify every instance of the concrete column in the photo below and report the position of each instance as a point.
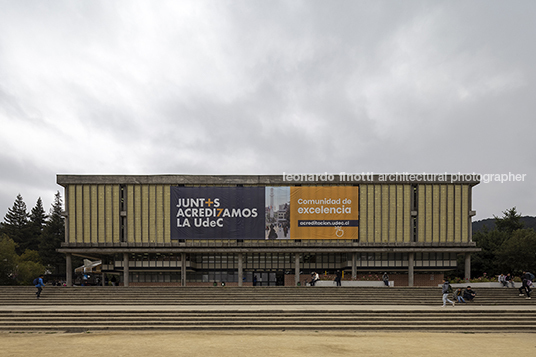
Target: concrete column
(354, 265)
(125, 269)
(68, 269)
(240, 270)
(467, 267)
(296, 269)
(411, 272)
(183, 269)
(103, 278)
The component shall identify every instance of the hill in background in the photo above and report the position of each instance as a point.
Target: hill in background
(528, 221)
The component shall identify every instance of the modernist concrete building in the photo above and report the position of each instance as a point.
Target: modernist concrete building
(201, 229)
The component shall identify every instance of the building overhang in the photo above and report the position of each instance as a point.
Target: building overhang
(272, 180)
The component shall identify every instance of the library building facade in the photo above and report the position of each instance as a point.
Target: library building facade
(268, 230)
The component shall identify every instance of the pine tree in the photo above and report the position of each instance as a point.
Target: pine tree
(52, 237)
(510, 222)
(36, 224)
(16, 224)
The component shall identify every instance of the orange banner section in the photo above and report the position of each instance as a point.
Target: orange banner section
(324, 212)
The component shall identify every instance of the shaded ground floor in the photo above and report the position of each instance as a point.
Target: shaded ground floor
(146, 268)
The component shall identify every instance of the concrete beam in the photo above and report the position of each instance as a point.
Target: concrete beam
(236, 250)
(260, 180)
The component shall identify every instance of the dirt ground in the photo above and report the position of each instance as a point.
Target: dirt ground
(265, 344)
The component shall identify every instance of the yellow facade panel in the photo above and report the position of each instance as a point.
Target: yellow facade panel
(152, 214)
(421, 216)
(116, 216)
(377, 213)
(130, 213)
(392, 213)
(108, 198)
(371, 226)
(94, 214)
(73, 212)
(363, 213)
(457, 213)
(385, 213)
(436, 224)
(101, 221)
(159, 214)
(450, 213)
(167, 214)
(407, 214)
(465, 214)
(443, 214)
(137, 214)
(145, 213)
(86, 204)
(429, 217)
(399, 213)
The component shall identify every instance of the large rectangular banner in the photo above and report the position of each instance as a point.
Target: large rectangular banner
(325, 212)
(217, 212)
(308, 212)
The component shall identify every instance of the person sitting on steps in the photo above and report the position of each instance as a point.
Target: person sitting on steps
(458, 295)
(469, 294)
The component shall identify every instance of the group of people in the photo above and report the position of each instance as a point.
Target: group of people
(506, 280)
(469, 294)
(315, 277)
(526, 283)
(461, 296)
(466, 295)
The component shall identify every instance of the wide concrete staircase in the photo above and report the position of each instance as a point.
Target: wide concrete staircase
(286, 308)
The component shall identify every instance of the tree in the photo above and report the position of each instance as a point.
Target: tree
(506, 248)
(52, 237)
(35, 225)
(16, 224)
(28, 267)
(518, 253)
(27, 271)
(485, 261)
(8, 260)
(510, 222)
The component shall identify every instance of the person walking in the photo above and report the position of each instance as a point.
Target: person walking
(39, 285)
(338, 278)
(526, 284)
(446, 289)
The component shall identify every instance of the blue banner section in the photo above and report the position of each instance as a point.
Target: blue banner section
(217, 212)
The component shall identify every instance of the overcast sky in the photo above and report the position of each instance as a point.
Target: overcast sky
(266, 87)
